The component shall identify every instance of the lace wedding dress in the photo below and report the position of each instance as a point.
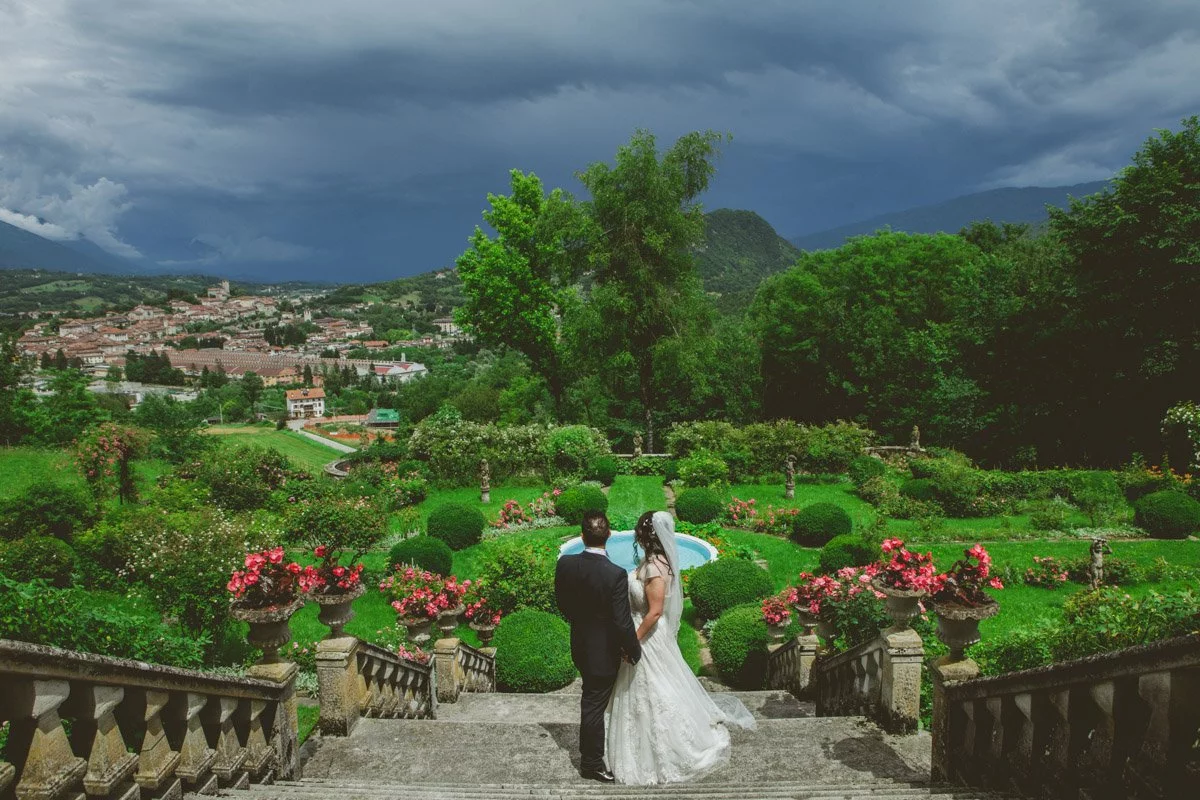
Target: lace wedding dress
(663, 726)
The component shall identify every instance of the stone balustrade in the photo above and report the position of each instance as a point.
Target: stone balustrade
(357, 679)
(462, 668)
(789, 665)
(137, 729)
(880, 679)
(1118, 725)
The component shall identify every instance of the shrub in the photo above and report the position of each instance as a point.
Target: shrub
(670, 470)
(519, 575)
(1013, 652)
(703, 468)
(242, 478)
(739, 647)
(1117, 571)
(100, 557)
(817, 524)
(863, 468)
(47, 509)
(698, 506)
(919, 489)
(425, 552)
(605, 469)
(1168, 515)
(457, 524)
(572, 451)
(1049, 515)
(579, 500)
(1109, 619)
(847, 550)
(38, 558)
(1097, 495)
(722, 584)
(533, 652)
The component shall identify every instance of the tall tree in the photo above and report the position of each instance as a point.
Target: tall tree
(517, 285)
(648, 221)
(252, 384)
(16, 402)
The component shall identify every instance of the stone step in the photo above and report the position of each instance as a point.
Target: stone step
(564, 708)
(801, 751)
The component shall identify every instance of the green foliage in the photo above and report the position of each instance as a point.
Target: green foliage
(72, 619)
(847, 550)
(573, 503)
(1015, 651)
(520, 575)
(820, 522)
(47, 509)
(347, 526)
(740, 249)
(1097, 495)
(739, 647)
(1109, 619)
(855, 619)
(698, 506)
(242, 478)
(38, 558)
(863, 468)
(456, 524)
(605, 469)
(722, 584)
(703, 469)
(919, 489)
(425, 552)
(572, 451)
(1168, 515)
(176, 427)
(763, 448)
(533, 652)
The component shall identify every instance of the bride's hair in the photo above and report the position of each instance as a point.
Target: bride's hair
(648, 541)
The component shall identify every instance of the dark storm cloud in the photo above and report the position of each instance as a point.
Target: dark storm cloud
(362, 136)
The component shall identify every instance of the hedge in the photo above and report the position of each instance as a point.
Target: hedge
(698, 506)
(579, 500)
(1168, 515)
(425, 552)
(847, 550)
(722, 584)
(763, 448)
(456, 524)
(739, 647)
(533, 652)
(817, 524)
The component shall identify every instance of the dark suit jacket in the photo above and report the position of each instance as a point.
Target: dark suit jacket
(593, 594)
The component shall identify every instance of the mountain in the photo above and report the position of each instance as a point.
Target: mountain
(20, 249)
(740, 249)
(1025, 204)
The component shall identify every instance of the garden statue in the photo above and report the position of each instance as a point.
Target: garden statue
(789, 486)
(637, 445)
(915, 444)
(485, 488)
(1096, 570)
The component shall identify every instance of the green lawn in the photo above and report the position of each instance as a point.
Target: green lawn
(840, 494)
(633, 495)
(22, 467)
(304, 452)
(470, 496)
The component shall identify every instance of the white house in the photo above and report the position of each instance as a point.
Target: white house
(304, 403)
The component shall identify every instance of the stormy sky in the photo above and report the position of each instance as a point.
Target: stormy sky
(356, 140)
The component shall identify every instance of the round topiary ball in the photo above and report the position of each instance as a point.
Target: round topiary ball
(848, 550)
(605, 469)
(533, 652)
(739, 647)
(425, 552)
(457, 524)
(1168, 515)
(698, 505)
(817, 524)
(579, 500)
(725, 583)
(38, 558)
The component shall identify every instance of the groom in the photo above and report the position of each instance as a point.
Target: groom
(593, 594)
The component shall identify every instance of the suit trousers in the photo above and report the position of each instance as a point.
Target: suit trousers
(597, 690)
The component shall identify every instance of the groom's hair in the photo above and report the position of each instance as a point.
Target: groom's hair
(595, 529)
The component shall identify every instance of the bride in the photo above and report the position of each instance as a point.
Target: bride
(663, 726)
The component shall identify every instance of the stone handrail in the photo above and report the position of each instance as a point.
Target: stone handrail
(880, 679)
(462, 668)
(359, 679)
(139, 727)
(789, 665)
(1122, 724)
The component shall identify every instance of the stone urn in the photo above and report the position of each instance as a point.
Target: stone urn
(825, 629)
(958, 626)
(778, 632)
(447, 621)
(418, 629)
(484, 632)
(337, 609)
(269, 629)
(806, 619)
(901, 605)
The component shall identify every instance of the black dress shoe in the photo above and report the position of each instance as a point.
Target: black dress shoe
(602, 775)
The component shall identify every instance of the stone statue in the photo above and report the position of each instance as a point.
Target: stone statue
(1096, 570)
(637, 445)
(915, 444)
(789, 486)
(485, 488)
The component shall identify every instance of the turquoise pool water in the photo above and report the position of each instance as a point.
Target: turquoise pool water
(692, 551)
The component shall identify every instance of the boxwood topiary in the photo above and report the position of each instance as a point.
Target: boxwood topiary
(457, 524)
(698, 506)
(605, 469)
(848, 550)
(579, 500)
(722, 584)
(533, 652)
(425, 552)
(1168, 515)
(739, 647)
(38, 558)
(919, 489)
(863, 468)
(817, 524)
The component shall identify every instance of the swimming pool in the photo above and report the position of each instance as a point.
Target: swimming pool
(692, 551)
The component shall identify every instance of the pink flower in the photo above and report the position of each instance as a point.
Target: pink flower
(320, 550)
(996, 583)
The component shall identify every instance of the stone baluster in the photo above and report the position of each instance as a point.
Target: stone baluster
(8, 774)
(110, 765)
(1018, 734)
(900, 689)
(196, 758)
(341, 686)
(284, 725)
(37, 740)
(230, 755)
(157, 761)
(260, 756)
(445, 659)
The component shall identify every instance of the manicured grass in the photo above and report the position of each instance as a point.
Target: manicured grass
(308, 716)
(689, 646)
(22, 467)
(633, 495)
(839, 493)
(470, 496)
(786, 559)
(469, 561)
(306, 453)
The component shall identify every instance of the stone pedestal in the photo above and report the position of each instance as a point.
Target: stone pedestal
(807, 648)
(900, 697)
(449, 679)
(285, 738)
(340, 687)
(943, 672)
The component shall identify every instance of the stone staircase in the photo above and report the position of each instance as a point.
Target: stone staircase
(507, 746)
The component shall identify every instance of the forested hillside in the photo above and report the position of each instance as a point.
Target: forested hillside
(740, 249)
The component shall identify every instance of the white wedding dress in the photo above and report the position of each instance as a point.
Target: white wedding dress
(663, 726)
